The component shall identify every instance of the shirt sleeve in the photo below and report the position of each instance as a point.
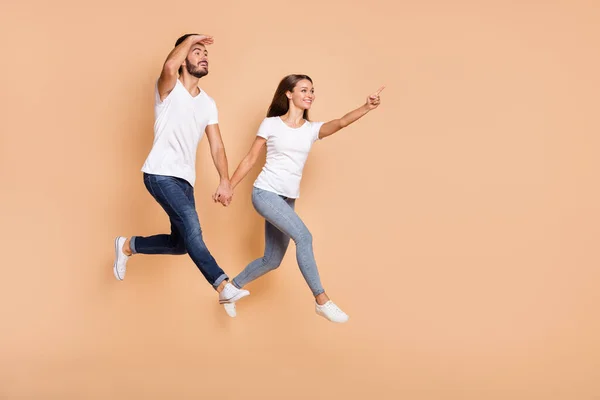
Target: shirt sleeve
(214, 114)
(264, 130)
(157, 100)
(316, 127)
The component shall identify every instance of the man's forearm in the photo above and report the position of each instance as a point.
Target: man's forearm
(177, 56)
(220, 160)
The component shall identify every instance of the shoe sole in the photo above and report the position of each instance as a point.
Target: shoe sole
(115, 271)
(235, 298)
(230, 309)
(335, 322)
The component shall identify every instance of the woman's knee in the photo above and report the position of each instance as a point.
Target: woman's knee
(272, 262)
(303, 237)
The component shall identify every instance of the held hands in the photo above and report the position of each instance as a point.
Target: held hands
(223, 194)
(373, 100)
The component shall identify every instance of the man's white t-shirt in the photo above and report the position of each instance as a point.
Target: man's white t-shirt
(180, 122)
(287, 151)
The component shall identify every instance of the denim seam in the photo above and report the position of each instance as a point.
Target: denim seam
(267, 259)
(150, 248)
(152, 190)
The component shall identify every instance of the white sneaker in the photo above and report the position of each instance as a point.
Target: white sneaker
(120, 265)
(331, 312)
(230, 309)
(231, 294)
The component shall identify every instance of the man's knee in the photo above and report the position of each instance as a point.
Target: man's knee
(193, 234)
(192, 229)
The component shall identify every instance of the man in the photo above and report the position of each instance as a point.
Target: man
(183, 112)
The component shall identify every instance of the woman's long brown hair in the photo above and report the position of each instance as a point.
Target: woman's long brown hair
(280, 104)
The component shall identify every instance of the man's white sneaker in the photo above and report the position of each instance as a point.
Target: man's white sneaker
(120, 265)
(331, 312)
(230, 309)
(231, 294)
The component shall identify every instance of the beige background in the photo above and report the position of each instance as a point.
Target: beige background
(457, 224)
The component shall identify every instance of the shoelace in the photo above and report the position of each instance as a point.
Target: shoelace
(229, 291)
(335, 309)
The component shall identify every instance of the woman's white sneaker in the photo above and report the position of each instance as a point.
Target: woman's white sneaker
(120, 265)
(231, 294)
(331, 312)
(230, 309)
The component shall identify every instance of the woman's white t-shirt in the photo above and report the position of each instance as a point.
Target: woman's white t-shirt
(287, 151)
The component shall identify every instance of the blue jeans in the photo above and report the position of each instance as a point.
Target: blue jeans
(282, 223)
(176, 197)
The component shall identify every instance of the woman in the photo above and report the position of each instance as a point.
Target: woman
(289, 135)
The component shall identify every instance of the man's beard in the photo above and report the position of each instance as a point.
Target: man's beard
(195, 71)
